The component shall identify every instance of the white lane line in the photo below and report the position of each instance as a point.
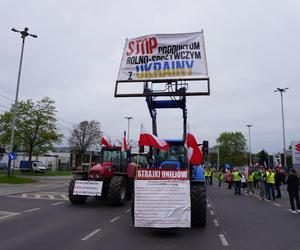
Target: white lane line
(65, 197)
(208, 205)
(31, 210)
(277, 204)
(211, 212)
(128, 210)
(91, 234)
(38, 196)
(5, 214)
(114, 219)
(57, 203)
(51, 197)
(216, 223)
(223, 240)
(24, 195)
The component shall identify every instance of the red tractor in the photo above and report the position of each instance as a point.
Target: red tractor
(115, 173)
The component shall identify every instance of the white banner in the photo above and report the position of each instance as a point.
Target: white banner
(164, 56)
(90, 188)
(296, 152)
(162, 203)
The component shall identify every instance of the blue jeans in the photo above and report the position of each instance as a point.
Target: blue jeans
(237, 187)
(270, 191)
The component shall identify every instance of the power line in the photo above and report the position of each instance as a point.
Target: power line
(4, 106)
(6, 97)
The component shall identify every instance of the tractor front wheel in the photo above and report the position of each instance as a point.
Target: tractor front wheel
(117, 190)
(198, 204)
(75, 199)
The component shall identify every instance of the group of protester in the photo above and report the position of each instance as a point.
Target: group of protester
(266, 180)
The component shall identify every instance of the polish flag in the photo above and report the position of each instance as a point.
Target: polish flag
(105, 140)
(124, 144)
(147, 139)
(194, 153)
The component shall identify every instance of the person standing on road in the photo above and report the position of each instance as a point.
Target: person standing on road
(270, 177)
(237, 178)
(206, 174)
(229, 179)
(211, 173)
(256, 177)
(278, 178)
(250, 182)
(261, 184)
(293, 189)
(220, 178)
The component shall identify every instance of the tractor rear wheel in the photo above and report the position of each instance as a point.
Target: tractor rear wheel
(75, 199)
(198, 204)
(117, 190)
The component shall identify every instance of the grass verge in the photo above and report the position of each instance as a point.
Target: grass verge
(15, 179)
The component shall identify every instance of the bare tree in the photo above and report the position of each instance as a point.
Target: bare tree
(84, 136)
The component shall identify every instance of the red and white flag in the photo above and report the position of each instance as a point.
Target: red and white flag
(105, 140)
(124, 143)
(147, 139)
(194, 152)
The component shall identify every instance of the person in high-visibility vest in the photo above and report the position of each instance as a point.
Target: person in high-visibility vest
(220, 178)
(237, 178)
(250, 182)
(206, 175)
(270, 179)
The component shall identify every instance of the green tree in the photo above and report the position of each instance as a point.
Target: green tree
(35, 130)
(85, 135)
(263, 158)
(232, 148)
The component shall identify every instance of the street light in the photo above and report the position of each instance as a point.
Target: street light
(282, 115)
(24, 33)
(128, 118)
(249, 126)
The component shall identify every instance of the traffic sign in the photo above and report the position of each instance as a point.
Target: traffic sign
(12, 156)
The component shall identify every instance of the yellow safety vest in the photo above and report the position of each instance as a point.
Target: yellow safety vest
(270, 177)
(251, 177)
(236, 176)
(206, 173)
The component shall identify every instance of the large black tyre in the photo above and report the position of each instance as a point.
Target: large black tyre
(198, 204)
(75, 199)
(117, 191)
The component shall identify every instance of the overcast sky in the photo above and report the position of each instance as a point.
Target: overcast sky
(252, 48)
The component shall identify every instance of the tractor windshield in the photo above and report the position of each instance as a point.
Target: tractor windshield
(174, 153)
(111, 156)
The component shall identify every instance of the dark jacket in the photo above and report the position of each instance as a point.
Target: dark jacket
(278, 179)
(292, 183)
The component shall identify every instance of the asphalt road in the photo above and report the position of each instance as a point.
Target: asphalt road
(45, 219)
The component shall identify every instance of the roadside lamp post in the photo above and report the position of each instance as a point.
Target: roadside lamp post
(128, 118)
(250, 157)
(24, 34)
(282, 115)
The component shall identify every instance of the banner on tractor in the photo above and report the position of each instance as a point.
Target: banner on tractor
(162, 199)
(164, 56)
(90, 188)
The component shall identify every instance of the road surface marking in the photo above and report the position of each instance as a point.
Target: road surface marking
(208, 205)
(24, 195)
(91, 234)
(211, 212)
(38, 196)
(65, 197)
(277, 204)
(216, 223)
(114, 219)
(223, 239)
(51, 197)
(57, 203)
(31, 210)
(128, 210)
(5, 214)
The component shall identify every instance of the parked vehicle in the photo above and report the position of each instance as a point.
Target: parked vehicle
(36, 166)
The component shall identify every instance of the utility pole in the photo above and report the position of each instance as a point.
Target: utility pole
(250, 157)
(282, 116)
(24, 34)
